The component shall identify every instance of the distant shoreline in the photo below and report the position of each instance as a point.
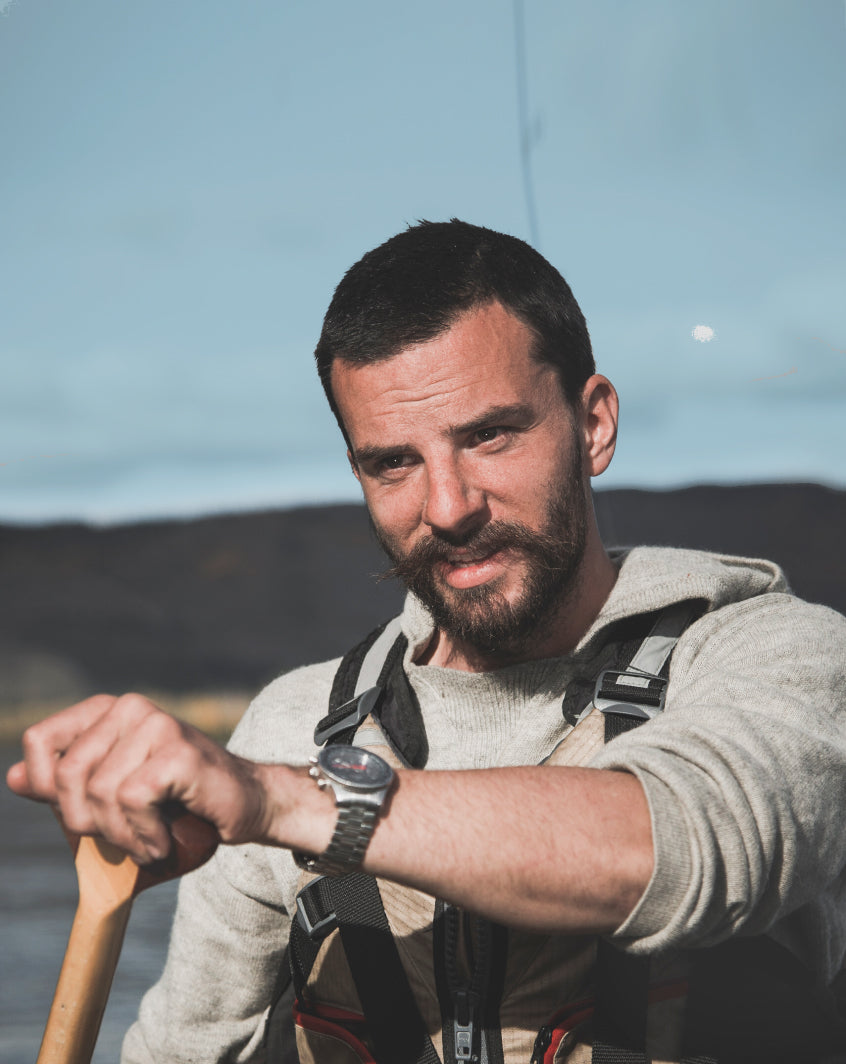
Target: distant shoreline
(214, 713)
(225, 512)
(203, 612)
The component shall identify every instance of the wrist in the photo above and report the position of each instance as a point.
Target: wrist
(298, 816)
(360, 782)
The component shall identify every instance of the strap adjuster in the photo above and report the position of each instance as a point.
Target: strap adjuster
(630, 693)
(314, 915)
(349, 715)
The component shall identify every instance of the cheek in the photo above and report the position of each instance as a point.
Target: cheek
(395, 511)
(516, 487)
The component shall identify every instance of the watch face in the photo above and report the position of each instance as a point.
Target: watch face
(355, 767)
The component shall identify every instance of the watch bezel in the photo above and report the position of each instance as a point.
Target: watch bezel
(349, 778)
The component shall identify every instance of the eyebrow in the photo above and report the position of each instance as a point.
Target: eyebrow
(521, 414)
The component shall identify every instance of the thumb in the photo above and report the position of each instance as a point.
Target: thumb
(17, 780)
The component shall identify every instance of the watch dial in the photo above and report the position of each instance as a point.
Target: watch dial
(355, 767)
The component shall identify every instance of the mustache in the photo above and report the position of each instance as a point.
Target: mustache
(495, 536)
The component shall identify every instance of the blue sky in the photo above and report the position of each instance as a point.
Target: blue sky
(184, 183)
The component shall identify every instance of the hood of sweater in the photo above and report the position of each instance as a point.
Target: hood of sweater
(513, 715)
(650, 578)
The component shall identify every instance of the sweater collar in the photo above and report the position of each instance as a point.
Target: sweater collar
(651, 578)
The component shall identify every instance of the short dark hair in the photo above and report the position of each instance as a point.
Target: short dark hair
(413, 287)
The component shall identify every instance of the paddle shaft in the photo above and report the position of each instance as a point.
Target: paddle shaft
(84, 982)
(108, 882)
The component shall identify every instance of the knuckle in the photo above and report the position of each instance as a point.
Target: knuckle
(66, 773)
(186, 763)
(134, 793)
(76, 820)
(165, 729)
(101, 701)
(33, 739)
(100, 789)
(132, 705)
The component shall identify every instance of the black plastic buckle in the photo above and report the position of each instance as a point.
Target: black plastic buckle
(349, 715)
(311, 913)
(632, 693)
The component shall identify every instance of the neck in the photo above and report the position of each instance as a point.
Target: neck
(557, 635)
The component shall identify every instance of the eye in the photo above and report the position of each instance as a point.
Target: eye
(489, 433)
(391, 466)
(393, 461)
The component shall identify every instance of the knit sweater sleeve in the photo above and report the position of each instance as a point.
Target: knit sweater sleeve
(231, 924)
(745, 775)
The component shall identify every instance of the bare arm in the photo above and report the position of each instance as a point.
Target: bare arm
(544, 848)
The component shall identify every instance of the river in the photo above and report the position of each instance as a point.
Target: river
(37, 904)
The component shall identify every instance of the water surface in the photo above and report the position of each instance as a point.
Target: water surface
(37, 903)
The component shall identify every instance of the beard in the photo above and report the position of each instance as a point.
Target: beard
(481, 616)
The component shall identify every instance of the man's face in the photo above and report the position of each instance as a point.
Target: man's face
(471, 465)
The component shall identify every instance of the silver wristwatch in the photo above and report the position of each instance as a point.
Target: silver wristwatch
(361, 782)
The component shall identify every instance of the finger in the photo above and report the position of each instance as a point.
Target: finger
(92, 768)
(18, 781)
(45, 743)
(205, 778)
(132, 817)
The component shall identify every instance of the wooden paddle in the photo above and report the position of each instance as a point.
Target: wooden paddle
(108, 882)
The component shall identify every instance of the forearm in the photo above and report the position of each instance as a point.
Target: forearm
(543, 848)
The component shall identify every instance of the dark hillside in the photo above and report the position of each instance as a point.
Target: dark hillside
(228, 602)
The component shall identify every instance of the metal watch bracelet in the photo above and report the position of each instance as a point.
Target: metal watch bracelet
(345, 852)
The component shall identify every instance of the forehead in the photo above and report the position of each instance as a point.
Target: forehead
(483, 359)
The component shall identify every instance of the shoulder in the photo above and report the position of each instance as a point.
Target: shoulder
(755, 642)
(279, 723)
(778, 614)
(789, 642)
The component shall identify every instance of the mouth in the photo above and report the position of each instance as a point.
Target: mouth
(463, 570)
(468, 558)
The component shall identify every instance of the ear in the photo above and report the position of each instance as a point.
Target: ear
(600, 409)
(353, 465)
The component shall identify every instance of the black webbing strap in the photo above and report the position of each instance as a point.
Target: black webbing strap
(393, 1019)
(622, 1000)
(343, 685)
(616, 724)
(389, 697)
(771, 1009)
(647, 692)
(314, 920)
(399, 713)
(280, 1040)
(622, 980)
(622, 995)
(353, 904)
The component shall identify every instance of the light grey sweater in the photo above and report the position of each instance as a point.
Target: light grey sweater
(745, 774)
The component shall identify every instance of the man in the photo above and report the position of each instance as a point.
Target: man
(460, 370)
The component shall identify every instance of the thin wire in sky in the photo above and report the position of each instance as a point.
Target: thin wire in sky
(523, 119)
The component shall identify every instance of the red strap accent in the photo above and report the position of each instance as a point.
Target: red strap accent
(578, 1011)
(326, 1020)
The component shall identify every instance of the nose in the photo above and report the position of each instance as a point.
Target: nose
(454, 506)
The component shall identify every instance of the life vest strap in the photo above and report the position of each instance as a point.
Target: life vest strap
(353, 904)
(621, 1006)
(627, 697)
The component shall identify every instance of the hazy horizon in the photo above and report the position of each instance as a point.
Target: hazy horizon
(183, 185)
